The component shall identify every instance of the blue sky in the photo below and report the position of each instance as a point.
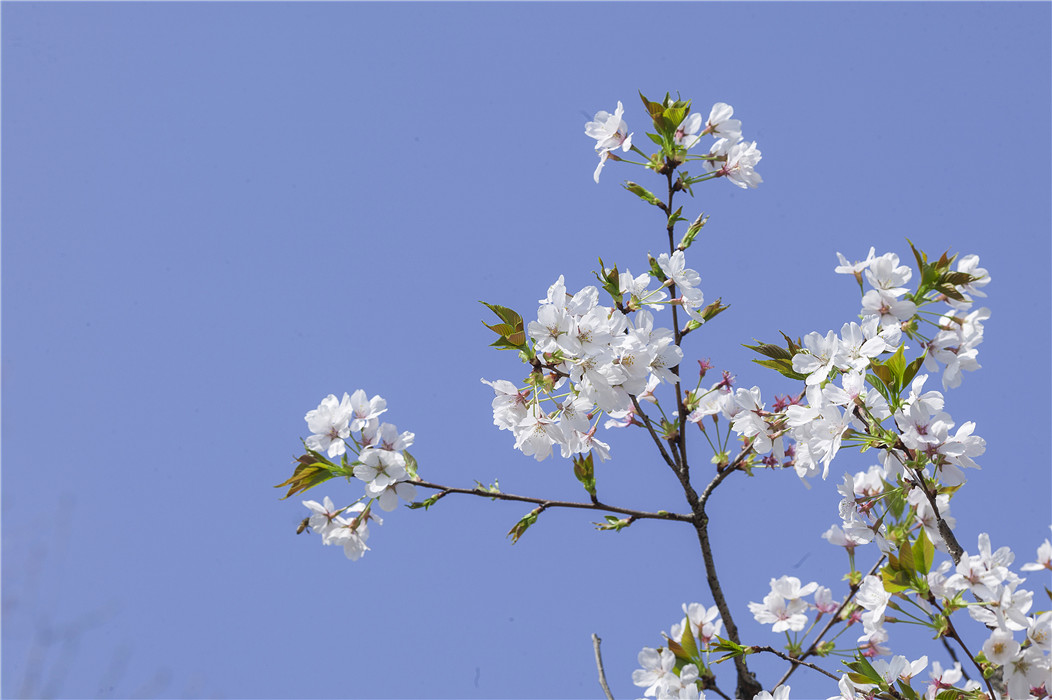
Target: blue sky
(216, 214)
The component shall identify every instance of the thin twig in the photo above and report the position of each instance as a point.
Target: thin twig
(795, 662)
(952, 631)
(549, 503)
(653, 434)
(599, 664)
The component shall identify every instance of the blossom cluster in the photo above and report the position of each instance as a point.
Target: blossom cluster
(839, 398)
(382, 463)
(674, 672)
(999, 603)
(958, 331)
(591, 359)
(729, 156)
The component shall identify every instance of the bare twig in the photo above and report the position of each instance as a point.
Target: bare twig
(653, 434)
(599, 664)
(548, 503)
(795, 662)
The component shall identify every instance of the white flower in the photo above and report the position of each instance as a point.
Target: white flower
(847, 268)
(610, 132)
(780, 693)
(687, 132)
(1001, 647)
(330, 423)
(381, 468)
(740, 161)
(874, 600)
(656, 669)
(365, 409)
(721, 125)
(1044, 558)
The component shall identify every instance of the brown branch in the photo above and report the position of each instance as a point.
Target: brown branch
(748, 686)
(956, 551)
(953, 633)
(599, 664)
(549, 503)
(653, 434)
(795, 661)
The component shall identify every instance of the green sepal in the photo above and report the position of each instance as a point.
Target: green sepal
(584, 470)
(511, 330)
(714, 309)
(655, 269)
(520, 528)
(644, 194)
(611, 281)
(492, 488)
(692, 231)
(613, 523)
(675, 217)
(426, 503)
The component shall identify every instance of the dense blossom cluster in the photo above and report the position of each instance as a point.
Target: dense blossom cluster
(839, 399)
(592, 359)
(382, 464)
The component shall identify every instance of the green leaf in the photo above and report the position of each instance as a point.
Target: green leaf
(783, 367)
(865, 669)
(907, 692)
(511, 330)
(686, 640)
(307, 475)
(911, 371)
(879, 385)
(921, 257)
(775, 352)
(923, 553)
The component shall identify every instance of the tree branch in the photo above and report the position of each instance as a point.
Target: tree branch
(795, 661)
(748, 686)
(549, 503)
(654, 435)
(599, 664)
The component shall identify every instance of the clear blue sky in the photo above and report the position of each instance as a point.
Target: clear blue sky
(216, 214)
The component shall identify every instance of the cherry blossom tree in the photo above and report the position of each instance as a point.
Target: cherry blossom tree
(613, 356)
